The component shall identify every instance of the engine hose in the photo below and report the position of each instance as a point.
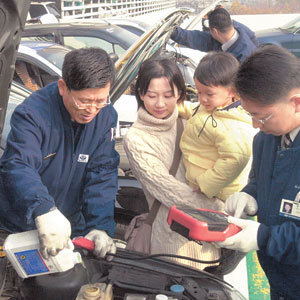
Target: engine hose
(171, 256)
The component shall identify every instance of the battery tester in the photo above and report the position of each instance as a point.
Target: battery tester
(201, 224)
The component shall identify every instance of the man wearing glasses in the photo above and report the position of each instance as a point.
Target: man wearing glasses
(58, 173)
(268, 83)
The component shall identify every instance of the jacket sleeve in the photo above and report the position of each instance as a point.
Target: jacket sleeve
(194, 39)
(101, 182)
(280, 242)
(154, 176)
(186, 109)
(234, 152)
(20, 166)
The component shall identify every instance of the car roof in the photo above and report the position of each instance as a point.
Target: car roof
(34, 50)
(76, 24)
(42, 3)
(139, 23)
(112, 33)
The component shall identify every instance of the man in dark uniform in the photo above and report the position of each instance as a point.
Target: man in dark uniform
(58, 173)
(223, 35)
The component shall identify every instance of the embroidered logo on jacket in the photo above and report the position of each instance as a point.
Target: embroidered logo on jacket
(83, 158)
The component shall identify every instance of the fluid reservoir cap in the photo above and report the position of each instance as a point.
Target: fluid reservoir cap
(161, 297)
(177, 288)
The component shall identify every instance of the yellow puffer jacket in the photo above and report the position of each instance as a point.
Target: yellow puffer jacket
(218, 159)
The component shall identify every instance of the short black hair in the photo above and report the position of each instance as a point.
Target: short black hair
(157, 68)
(217, 68)
(268, 75)
(87, 68)
(220, 19)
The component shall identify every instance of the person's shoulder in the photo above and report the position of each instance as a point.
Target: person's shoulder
(107, 116)
(242, 48)
(238, 25)
(38, 103)
(262, 139)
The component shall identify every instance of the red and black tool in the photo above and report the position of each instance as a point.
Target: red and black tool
(201, 224)
(82, 242)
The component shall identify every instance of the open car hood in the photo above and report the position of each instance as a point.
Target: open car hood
(150, 44)
(13, 15)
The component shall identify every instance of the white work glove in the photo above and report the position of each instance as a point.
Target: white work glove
(240, 205)
(103, 243)
(245, 240)
(54, 231)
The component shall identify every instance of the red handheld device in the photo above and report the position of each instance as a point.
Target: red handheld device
(201, 224)
(84, 243)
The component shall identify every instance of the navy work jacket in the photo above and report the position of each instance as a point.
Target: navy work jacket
(203, 41)
(275, 175)
(42, 168)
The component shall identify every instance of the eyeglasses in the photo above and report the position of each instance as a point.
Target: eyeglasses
(86, 103)
(261, 121)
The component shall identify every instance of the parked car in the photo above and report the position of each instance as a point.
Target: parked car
(42, 61)
(129, 273)
(111, 38)
(40, 9)
(135, 26)
(287, 36)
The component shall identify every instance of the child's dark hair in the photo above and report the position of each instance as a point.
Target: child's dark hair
(217, 68)
(157, 68)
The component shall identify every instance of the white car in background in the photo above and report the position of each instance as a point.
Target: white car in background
(43, 12)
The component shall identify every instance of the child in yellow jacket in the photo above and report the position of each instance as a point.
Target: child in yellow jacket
(217, 141)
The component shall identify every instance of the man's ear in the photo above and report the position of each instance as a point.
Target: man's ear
(296, 102)
(214, 31)
(62, 87)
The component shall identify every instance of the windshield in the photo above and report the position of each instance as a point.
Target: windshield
(54, 54)
(53, 10)
(291, 26)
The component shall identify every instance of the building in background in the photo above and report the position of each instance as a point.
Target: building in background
(78, 9)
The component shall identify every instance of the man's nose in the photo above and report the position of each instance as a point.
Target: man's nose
(92, 109)
(256, 124)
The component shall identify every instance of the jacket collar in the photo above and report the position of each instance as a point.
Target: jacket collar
(230, 106)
